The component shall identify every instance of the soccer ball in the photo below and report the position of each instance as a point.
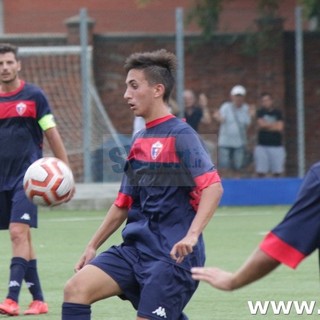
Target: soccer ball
(48, 182)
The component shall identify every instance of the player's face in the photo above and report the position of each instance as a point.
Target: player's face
(139, 93)
(9, 67)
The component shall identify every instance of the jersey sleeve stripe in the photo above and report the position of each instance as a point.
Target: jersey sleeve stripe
(123, 200)
(207, 179)
(281, 251)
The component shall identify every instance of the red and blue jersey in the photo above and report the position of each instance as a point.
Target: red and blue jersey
(298, 235)
(166, 170)
(21, 136)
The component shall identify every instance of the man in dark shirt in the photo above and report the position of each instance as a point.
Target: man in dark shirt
(269, 153)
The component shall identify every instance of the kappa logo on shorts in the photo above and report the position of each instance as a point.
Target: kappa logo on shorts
(25, 216)
(161, 312)
(156, 149)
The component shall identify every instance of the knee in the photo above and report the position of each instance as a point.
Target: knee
(70, 290)
(19, 234)
(73, 292)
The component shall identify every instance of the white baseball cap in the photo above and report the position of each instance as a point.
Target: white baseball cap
(238, 90)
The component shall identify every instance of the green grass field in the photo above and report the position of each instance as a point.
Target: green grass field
(231, 236)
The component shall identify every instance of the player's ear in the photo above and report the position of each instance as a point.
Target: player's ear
(159, 90)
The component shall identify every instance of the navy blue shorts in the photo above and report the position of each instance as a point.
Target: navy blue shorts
(16, 207)
(157, 289)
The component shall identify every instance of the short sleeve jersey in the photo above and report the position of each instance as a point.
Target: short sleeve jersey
(166, 170)
(298, 235)
(266, 137)
(21, 137)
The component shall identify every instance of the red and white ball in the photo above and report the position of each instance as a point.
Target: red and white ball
(48, 182)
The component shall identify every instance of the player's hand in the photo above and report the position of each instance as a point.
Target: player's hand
(217, 278)
(87, 256)
(71, 194)
(183, 248)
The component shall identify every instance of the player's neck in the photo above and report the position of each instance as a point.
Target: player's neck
(159, 112)
(7, 87)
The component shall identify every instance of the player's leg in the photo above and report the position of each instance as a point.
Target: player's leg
(19, 227)
(109, 274)
(166, 290)
(37, 305)
(8, 306)
(87, 286)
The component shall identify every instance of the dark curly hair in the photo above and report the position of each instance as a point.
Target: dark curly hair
(159, 67)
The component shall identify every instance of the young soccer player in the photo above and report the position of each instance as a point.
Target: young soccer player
(24, 115)
(169, 192)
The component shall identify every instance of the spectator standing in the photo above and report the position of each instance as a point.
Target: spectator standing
(196, 112)
(234, 117)
(269, 153)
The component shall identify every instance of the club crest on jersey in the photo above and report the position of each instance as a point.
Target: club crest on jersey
(156, 149)
(21, 108)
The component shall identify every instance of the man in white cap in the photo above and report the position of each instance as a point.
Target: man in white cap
(234, 117)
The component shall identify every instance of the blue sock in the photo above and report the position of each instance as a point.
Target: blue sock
(76, 311)
(18, 268)
(32, 280)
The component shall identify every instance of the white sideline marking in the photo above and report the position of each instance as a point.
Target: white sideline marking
(74, 219)
(243, 214)
(218, 214)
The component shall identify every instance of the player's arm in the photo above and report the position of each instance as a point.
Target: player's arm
(56, 144)
(112, 221)
(258, 265)
(209, 201)
(54, 139)
(48, 126)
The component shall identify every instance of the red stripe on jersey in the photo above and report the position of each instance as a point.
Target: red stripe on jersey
(281, 251)
(207, 179)
(202, 182)
(123, 200)
(158, 121)
(154, 150)
(19, 108)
